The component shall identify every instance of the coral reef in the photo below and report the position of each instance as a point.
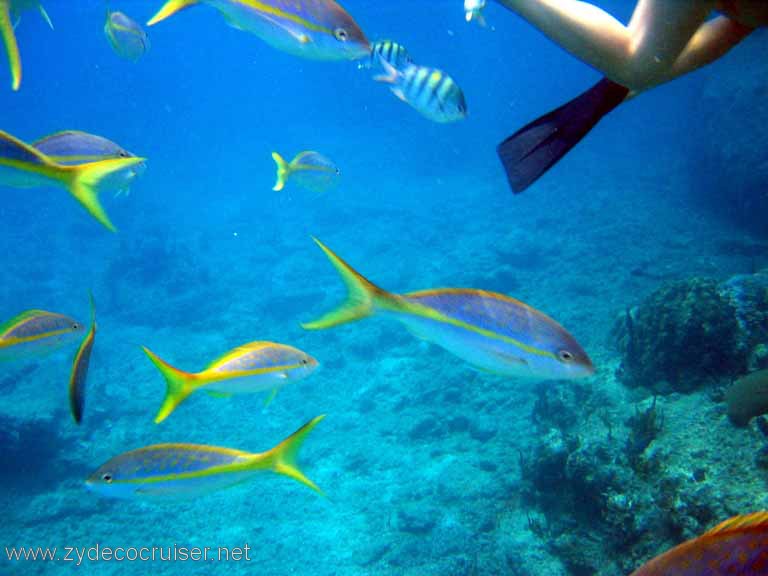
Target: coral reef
(694, 331)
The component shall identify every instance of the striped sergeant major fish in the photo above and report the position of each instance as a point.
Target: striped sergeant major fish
(490, 331)
(430, 91)
(314, 29)
(392, 52)
(10, 14)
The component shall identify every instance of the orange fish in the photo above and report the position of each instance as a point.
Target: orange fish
(736, 547)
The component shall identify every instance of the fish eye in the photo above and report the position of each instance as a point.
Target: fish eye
(340, 34)
(304, 361)
(75, 326)
(123, 154)
(107, 478)
(565, 356)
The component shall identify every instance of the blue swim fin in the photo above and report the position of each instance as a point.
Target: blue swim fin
(536, 147)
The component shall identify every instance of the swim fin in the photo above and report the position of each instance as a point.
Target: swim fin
(536, 147)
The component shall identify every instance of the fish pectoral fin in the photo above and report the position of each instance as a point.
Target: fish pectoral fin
(45, 16)
(217, 394)
(509, 358)
(300, 37)
(271, 397)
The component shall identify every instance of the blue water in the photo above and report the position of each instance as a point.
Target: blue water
(419, 454)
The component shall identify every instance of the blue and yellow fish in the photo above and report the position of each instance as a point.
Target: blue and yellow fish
(490, 331)
(166, 471)
(736, 547)
(316, 29)
(79, 375)
(24, 166)
(430, 91)
(71, 147)
(36, 333)
(308, 169)
(127, 38)
(10, 14)
(250, 368)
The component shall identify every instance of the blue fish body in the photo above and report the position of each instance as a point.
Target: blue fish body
(72, 147)
(495, 333)
(314, 29)
(36, 333)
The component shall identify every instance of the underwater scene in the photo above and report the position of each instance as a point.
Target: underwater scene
(378, 289)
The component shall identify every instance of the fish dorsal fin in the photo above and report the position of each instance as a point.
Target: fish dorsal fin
(13, 148)
(250, 346)
(741, 523)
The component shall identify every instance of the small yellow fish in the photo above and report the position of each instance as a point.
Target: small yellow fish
(250, 368)
(308, 169)
(127, 38)
(166, 471)
(36, 333)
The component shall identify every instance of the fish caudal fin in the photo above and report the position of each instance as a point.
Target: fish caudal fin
(391, 75)
(282, 458)
(283, 171)
(11, 47)
(169, 9)
(179, 385)
(83, 180)
(535, 148)
(361, 295)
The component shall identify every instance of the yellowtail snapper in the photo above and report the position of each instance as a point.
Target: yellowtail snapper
(23, 166)
(430, 91)
(36, 333)
(490, 331)
(71, 147)
(316, 29)
(248, 369)
(10, 14)
(308, 169)
(127, 38)
(79, 375)
(167, 471)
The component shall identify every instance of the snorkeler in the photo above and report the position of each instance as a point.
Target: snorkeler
(663, 40)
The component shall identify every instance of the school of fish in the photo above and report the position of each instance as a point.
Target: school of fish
(489, 331)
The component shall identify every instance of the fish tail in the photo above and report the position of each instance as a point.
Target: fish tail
(283, 171)
(391, 72)
(169, 9)
(83, 180)
(11, 47)
(179, 385)
(282, 458)
(361, 295)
